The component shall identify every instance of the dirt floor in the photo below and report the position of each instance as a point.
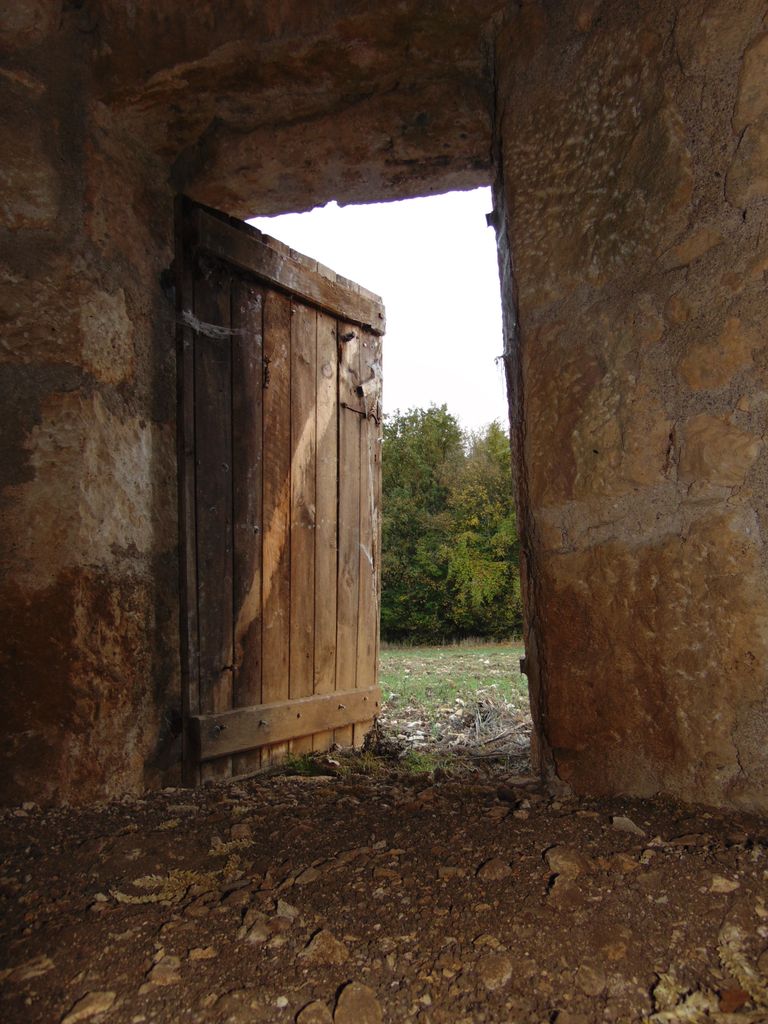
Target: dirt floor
(466, 896)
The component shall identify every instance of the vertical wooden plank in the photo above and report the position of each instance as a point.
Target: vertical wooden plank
(247, 395)
(213, 446)
(276, 578)
(303, 447)
(185, 438)
(378, 507)
(349, 516)
(367, 625)
(326, 503)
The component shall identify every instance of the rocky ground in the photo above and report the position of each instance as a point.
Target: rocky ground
(377, 895)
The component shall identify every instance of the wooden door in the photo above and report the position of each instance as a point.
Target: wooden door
(279, 484)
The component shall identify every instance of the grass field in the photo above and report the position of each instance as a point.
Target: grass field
(455, 707)
(433, 677)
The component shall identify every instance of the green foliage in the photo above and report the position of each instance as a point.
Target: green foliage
(303, 764)
(419, 762)
(449, 563)
(422, 452)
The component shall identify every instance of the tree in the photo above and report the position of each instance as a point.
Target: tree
(449, 565)
(422, 452)
(483, 564)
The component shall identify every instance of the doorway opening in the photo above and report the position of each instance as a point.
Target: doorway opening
(451, 621)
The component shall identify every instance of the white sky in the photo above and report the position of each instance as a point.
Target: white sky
(433, 261)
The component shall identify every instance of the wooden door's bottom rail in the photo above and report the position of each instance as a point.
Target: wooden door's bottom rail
(232, 732)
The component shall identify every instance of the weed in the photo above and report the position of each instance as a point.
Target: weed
(303, 764)
(419, 762)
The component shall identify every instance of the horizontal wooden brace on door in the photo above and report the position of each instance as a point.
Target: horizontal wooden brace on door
(244, 249)
(231, 732)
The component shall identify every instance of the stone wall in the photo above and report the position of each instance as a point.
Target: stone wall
(108, 109)
(632, 143)
(88, 594)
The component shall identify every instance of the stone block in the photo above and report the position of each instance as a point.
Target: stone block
(752, 97)
(659, 713)
(748, 174)
(90, 496)
(107, 337)
(29, 183)
(714, 451)
(602, 177)
(695, 245)
(713, 364)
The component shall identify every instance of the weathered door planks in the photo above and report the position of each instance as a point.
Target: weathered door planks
(185, 447)
(368, 596)
(279, 457)
(326, 513)
(247, 405)
(213, 447)
(349, 517)
(303, 484)
(277, 503)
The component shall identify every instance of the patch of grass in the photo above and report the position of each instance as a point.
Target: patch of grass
(303, 764)
(435, 676)
(420, 762)
(361, 762)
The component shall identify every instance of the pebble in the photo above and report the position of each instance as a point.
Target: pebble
(690, 839)
(202, 953)
(494, 870)
(448, 871)
(287, 910)
(357, 1004)
(31, 969)
(314, 1013)
(386, 873)
(624, 824)
(566, 861)
(723, 885)
(624, 863)
(258, 933)
(237, 898)
(591, 980)
(308, 875)
(89, 1006)
(165, 972)
(732, 999)
(255, 926)
(498, 812)
(323, 948)
(494, 970)
(564, 891)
